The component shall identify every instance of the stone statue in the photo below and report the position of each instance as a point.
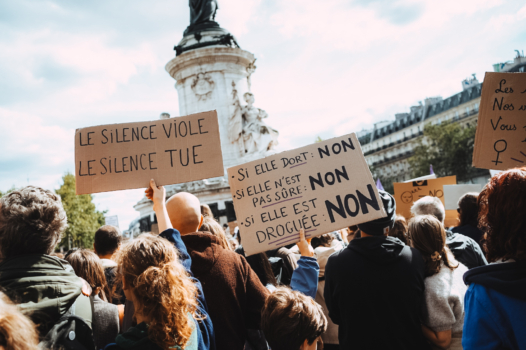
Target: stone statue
(202, 11)
(247, 128)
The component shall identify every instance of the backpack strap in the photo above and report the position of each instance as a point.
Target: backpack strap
(83, 308)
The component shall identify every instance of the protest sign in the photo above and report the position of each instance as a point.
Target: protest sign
(425, 177)
(123, 156)
(500, 142)
(408, 193)
(321, 188)
(452, 194)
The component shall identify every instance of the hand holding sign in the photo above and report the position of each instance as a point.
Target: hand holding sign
(318, 188)
(157, 194)
(304, 246)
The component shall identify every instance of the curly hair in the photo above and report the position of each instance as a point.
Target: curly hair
(428, 236)
(32, 221)
(399, 229)
(502, 204)
(17, 332)
(212, 226)
(162, 288)
(289, 318)
(88, 266)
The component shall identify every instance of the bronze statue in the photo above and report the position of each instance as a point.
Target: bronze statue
(202, 11)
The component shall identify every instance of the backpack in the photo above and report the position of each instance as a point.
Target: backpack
(73, 330)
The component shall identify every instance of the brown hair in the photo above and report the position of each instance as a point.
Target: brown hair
(399, 229)
(87, 265)
(428, 236)
(289, 318)
(502, 204)
(212, 226)
(324, 240)
(161, 286)
(107, 240)
(206, 211)
(17, 332)
(469, 209)
(31, 222)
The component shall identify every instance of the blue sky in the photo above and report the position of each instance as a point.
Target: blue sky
(325, 68)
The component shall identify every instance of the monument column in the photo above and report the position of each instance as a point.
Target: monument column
(206, 79)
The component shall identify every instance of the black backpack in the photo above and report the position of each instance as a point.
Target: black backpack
(72, 331)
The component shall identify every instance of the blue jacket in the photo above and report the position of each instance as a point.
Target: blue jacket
(305, 277)
(205, 338)
(495, 307)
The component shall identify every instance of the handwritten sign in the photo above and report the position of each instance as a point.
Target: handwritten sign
(124, 156)
(408, 193)
(320, 188)
(500, 142)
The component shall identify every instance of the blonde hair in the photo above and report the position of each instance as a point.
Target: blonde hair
(17, 332)
(162, 288)
(212, 226)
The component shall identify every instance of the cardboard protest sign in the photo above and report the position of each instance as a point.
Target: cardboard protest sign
(408, 193)
(500, 142)
(452, 194)
(320, 188)
(124, 156)
(421, 178)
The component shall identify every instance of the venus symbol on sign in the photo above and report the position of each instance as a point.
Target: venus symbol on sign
(501, 145)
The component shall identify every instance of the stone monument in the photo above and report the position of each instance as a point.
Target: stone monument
(212, 72)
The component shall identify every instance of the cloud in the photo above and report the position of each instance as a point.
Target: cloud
(325, 68)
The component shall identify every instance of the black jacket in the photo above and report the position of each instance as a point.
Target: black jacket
(470, 231)
(374, 291)
(465, 250)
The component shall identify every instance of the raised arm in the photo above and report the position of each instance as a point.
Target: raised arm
(305, 277)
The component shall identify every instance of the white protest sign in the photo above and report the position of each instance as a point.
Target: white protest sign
(452, 193)
(321, 188)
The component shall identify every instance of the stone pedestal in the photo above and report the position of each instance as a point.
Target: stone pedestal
(205, 80)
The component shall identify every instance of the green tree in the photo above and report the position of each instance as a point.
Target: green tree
(387, 182)
(449, 148)
(83, 218)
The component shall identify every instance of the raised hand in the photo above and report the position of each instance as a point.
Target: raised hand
(304, 246)
(157, 194)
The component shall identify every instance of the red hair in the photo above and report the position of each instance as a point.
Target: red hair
(502, 204)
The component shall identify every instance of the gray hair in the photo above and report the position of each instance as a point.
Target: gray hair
(32, 221)
(429, 206)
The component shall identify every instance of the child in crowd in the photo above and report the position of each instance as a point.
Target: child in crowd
(17, 332)
(496, 298)
(292, 321)
(106, 316)
(443, 311)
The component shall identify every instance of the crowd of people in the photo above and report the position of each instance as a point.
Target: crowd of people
(391, 283)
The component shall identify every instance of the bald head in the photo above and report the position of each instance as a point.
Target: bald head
(184, 210)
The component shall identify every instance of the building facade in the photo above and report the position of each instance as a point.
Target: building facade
(389, 144)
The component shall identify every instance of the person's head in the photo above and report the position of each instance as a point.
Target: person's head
(32, 221)
(17, 332)
(427, 234)
(324, 240)
(381, 227)
(184, 210)
(399, 229)
(88, 266)
(225, 227)
(249, 98)
(292, 321)
(261, 266)
(206, 211)
(212, 226)
(161, 291)
(502, 204)
(107, 241)
(429, 206)
(468, 209)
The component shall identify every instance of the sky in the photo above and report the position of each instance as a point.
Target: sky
(324, 68)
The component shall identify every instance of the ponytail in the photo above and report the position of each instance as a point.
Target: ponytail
(165, 294)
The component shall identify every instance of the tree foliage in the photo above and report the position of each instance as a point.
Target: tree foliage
(387, 181)
(83, 218)
(448, 147)
(6, 192)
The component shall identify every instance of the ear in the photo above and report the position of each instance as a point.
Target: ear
(305, 345)
(94, 250)
(201, 222)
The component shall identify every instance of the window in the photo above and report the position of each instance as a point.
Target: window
(476, 108)
(467, 110)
